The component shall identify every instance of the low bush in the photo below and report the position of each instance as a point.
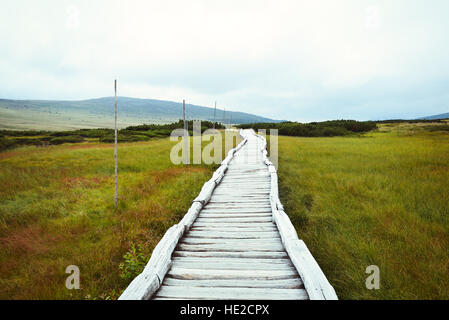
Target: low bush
(315, 129)
(444, 127)
(121, 138)
(66, 139)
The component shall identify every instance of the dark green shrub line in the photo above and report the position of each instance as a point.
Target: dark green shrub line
(411, 121)
(175, 125)
(316, 129)
(66, 139)
(444, 127)
(11, 139)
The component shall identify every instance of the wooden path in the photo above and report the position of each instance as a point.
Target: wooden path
(239, 244)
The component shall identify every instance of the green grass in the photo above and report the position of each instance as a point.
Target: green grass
(56, 210)
(381, 198)
(10, 139)
(377, 198)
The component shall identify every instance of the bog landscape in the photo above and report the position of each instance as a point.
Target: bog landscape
(358, 194)
(253, 151)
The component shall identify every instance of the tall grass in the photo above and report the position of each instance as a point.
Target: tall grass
(57, 209)
(379, 199)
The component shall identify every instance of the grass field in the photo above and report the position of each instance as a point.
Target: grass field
(56, 210)
(377, 199)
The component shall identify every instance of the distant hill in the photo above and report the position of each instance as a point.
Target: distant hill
(436, 117)
(94, 113)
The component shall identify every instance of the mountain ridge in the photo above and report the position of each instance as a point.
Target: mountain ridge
(98, 112)
(436, 116)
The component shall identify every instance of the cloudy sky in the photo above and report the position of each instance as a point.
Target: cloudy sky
(296, 60)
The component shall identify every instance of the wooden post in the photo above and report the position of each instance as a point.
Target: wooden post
(224, 116)
(186, 134)
(115, 145)
(215, 110)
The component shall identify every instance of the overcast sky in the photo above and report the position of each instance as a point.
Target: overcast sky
(296, 60)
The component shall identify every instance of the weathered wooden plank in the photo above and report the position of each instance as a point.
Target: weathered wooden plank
(243, 166)
(197, 274)
(255, 186)
(232, 187)
(314, 279)
(216, 293)
(204, 219)
(221, 200)
(230, 242)
(235, 215)
(257, 173)
(238, 210)
(242, 190)
(142, 287)
(234, 235)
(227, 248)
(239, 202)
(206, 192)
(245, 181)
(249, 172)
(227, 226)
(191, 215)
(205, 265)
(285, 226)
(232, 224)
(242, 177)
(237, 199)
(225, 260)
(221, 254)
(294, 283)
(247, 229)
(243, 193)
(145, 284)
(238, 196)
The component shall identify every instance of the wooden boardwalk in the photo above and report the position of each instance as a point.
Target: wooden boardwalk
(237, 245)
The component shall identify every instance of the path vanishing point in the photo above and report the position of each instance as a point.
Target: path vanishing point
(235, 242)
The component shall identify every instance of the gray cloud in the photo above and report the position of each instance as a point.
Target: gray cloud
(297, 60)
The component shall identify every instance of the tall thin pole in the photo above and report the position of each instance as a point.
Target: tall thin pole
(215, 111)
(115, 145)
(186, 134)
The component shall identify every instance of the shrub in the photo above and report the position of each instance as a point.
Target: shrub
(315, 129)
(66, 139)
(6, 144)
(135, 260)
(121, 138)
(443, 127)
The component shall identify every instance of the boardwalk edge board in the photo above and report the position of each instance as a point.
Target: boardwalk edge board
(315, 282)
(148, 282)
